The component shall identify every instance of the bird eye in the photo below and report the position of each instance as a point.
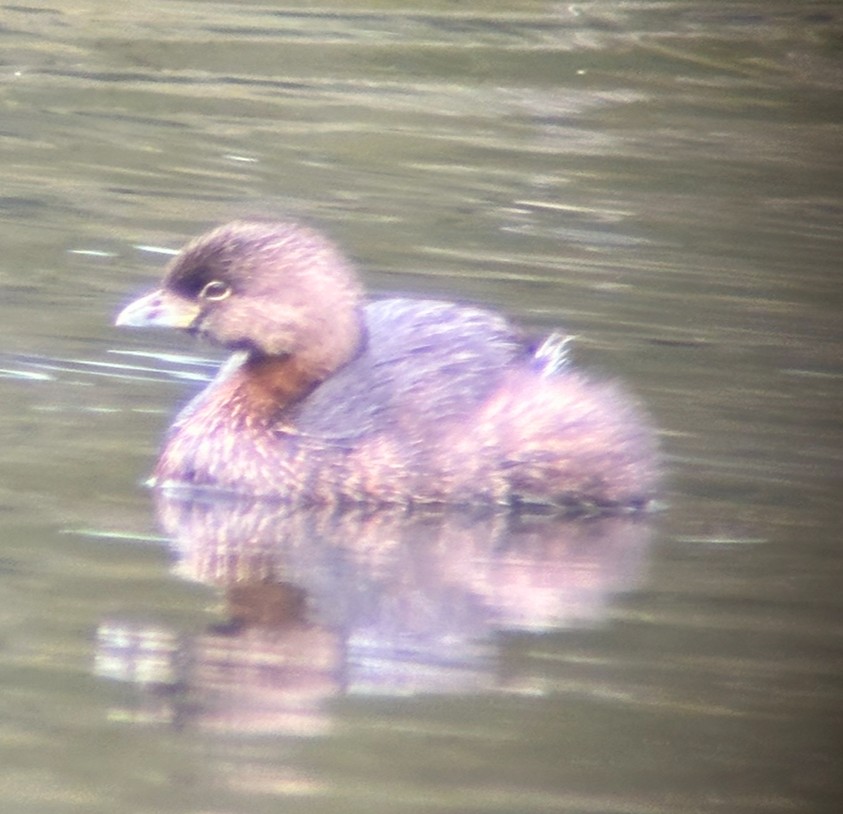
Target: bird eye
(215, 291)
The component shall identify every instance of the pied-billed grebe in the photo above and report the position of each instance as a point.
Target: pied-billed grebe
(332, 400)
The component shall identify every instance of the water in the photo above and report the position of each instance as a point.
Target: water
(660, 178)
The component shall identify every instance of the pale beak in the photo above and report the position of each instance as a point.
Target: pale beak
(159, 309)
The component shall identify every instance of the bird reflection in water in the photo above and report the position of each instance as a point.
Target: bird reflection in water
(387, 602)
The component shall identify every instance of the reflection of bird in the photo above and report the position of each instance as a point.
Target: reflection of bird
(330, 400)
(320, 602)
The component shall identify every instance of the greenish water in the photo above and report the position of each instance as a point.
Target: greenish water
(662, 179)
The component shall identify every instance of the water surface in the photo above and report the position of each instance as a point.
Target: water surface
(662, 179)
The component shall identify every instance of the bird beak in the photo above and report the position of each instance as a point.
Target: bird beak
(159, 309)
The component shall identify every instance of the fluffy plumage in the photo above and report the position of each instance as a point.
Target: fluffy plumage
(332, 400)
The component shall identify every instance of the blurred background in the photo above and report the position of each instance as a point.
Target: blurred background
(661, 179)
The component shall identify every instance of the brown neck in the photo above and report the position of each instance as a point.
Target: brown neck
(271, 383)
